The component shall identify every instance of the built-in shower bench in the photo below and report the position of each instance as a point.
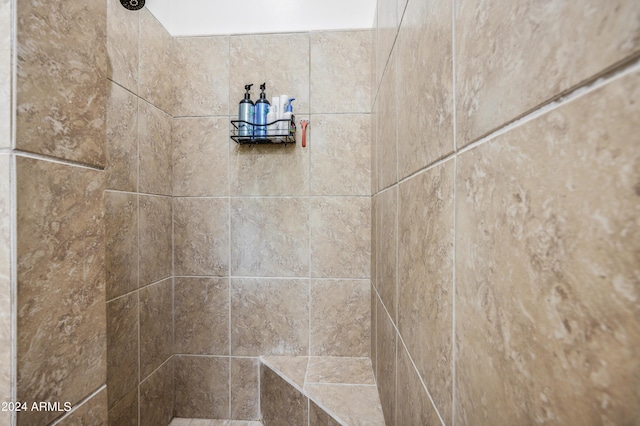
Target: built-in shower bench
(318, 391)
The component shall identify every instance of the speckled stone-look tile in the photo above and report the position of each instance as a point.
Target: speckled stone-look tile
(414, 406)
(386, 364)
(389, 120)
(6, 52)
(547, 296)
(201, 236)
(201, 77)
(156, 336)
(269, 316)
(271, 170)
(122, 347)
(280, 60)
(319, 417)
(121, 171)
(201, 315)
(122, 45)
(387, 251)
(281, 403)
(353, 405)
(340, 237)
(340, 67)
(61, 79)
(157, 396)
(156, 63)
(424, 99)
(61, 320)
(385, 34)
(374, 149)
(340, 154)
(340, 318)
(5, 283)
(200, 156)
(425, 280)
(345, 370)
(270, 237)
(92, 412)
(125, 412)
(155, 238)
(121, 241)
(374, 329)
(245, 388)
(375, 221)
(512, 57)
(155, 153)
(202, 387)
(292, 367)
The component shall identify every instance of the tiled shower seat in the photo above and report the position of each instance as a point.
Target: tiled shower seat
(315, 391)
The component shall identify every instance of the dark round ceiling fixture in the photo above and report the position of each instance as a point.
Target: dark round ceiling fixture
(133, 4)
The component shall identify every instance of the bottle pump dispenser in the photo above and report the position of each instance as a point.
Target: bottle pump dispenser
(246, 114)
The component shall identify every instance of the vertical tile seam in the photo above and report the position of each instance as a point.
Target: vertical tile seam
(13, 281)
(139, 402)
(309, 207)
(455, 203)
(229, 242)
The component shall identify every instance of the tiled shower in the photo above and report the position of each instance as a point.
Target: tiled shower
(465, 214)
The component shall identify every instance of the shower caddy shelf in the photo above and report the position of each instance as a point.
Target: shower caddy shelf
(282, 136)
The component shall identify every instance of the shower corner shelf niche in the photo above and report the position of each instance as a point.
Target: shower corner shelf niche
(271, 137)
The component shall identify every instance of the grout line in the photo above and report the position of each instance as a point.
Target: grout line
(585, 88)
(156, 369)
(78, 405)
(455, 202)
(13, 295)
(56, 160)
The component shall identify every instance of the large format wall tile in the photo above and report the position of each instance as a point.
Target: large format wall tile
(340, 154)
(121, 241)
(155, 245)
(281, 403)
(245, 388)
(122, 45)
(200, 157)
(425, 277)
(61, 310)
(201, 236)
(414, 405)
(156, 63)
(386, 344)
(155, 153)
(270, 237)
(386, 30)
(202, 387)
(6, 53)
(374, 149)
(270, 170)
(387, 239)
(280, 60)
(122, 347)
(514, 56)
(157, 396)
(547, 296)
(340, 67)
(156, 328)
(340, 318)
(61, 79)
(269, 316)
(201, 76)
(340, 237)
(125, 412)
(5, 283)
(201, 316)
(387, 131)
(121, 170)
(92, 412)
(425, 85)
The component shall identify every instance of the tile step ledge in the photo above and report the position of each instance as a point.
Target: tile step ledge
(343, 388)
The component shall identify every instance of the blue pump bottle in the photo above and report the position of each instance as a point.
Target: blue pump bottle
(262, 109)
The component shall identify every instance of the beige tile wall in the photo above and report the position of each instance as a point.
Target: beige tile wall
(139, 219)
(504, 280)
(241, 230)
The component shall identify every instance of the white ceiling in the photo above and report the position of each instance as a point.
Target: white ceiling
(216, 17)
